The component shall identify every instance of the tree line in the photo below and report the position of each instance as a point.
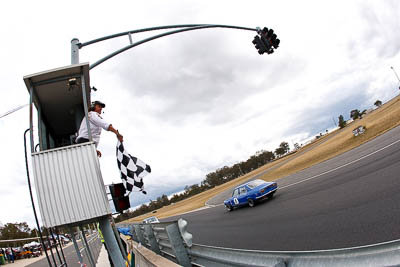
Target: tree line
(16, 231)
(215, 178)
(12, 231)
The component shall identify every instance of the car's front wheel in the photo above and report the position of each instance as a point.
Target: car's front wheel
(251, 202)
(229, 207)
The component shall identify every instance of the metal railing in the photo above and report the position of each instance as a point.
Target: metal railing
(172, 241)
(169, 239)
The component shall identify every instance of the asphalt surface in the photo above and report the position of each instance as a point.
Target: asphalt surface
(70, 254)
(351, 200)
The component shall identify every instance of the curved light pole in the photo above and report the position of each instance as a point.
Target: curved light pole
(76, 45)
(395, 73)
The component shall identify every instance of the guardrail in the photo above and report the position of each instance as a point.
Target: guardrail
(169, 239)
(172, 241)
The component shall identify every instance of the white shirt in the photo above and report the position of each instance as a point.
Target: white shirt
(96, 123)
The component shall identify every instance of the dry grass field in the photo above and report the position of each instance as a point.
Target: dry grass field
(376, 123)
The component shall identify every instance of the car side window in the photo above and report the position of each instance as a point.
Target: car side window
(243, 191)
(235, 193)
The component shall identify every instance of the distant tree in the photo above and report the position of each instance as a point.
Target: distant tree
(355, 114)
(44, 230)
(297, 146)
(212, 179)
(282, 149)
(34, 233)
(378, 103)
(165, 200)
(224, 173)
(14, 231)
(264, 156)
(253, 162)
(285, 147)
(279, 152)
(176, 197)
(246, 166)
(154, 204)
(236, 170)
(342, 122)
(186, 188)
(193, 190)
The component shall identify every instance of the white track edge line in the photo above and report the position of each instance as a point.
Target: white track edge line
(342, 166)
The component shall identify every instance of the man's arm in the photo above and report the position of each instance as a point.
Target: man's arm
(100, 122)
(119, 136)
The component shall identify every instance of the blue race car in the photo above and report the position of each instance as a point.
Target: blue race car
(251, 192)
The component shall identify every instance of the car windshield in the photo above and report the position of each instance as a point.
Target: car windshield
(235, 193)
(255, 183)
(243, 191)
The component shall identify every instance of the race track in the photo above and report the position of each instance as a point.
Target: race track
(350, 200)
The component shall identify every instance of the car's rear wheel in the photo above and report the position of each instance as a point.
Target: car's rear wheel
(229, 207)
(251, 202)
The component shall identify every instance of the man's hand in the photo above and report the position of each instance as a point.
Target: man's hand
(98, 153)
(120, 137)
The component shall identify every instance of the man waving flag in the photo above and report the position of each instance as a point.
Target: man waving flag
(132, 169)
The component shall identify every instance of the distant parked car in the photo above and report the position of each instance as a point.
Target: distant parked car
(250, 193)
(63, 239)
(152, 219)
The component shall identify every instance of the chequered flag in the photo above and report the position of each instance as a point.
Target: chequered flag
(132, 169)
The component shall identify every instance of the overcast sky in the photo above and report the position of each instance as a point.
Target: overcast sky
(190, 103)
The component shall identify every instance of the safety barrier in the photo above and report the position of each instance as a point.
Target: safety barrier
(172, 241)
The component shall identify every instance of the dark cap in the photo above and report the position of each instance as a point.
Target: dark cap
(99, 103)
